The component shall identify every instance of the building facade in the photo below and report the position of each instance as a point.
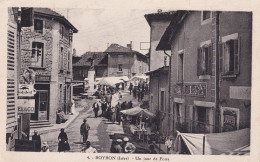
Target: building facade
(158, 23)
(46, 50)
(211, 63)
(82, 65)
(159, 69)
(123, 61)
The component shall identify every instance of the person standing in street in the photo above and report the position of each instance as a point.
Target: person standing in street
(84, 128)
(96, 108)
(63, 141)
(131, 88)
(113, 114)
(103, 107)
(37, 139)
(118, 116)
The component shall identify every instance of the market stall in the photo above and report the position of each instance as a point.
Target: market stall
(213, 143)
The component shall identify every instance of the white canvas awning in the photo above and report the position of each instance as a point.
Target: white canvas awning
(214, 143)
(137, 111)
(110, 81)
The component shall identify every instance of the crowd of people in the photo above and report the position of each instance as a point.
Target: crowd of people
(139, 91)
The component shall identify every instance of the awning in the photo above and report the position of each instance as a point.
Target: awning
(139, 77)
(110, 81)
(137, 111)
(215, 143)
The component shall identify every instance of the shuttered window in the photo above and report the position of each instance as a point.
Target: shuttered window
(204, 61)
(11, 76)
(229, 57)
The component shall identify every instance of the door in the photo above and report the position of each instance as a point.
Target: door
(43, 105)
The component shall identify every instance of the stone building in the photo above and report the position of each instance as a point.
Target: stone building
(159, 69)
(123, 61)
(46, 49)
(82, 65)
(210, 71)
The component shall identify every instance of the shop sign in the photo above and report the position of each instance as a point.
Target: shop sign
(191, 89)
(26, 90)
(43, 78)
(26, 106)
(229, 121)
(240, 92)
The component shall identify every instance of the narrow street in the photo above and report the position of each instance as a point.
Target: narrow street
(98, 134)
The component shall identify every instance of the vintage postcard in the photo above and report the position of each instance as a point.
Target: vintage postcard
(130, 81)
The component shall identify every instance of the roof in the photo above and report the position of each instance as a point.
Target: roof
(164, 68)
(50, 13)
(100, 59)
(116, 48)
(159, 16)
(165, 42)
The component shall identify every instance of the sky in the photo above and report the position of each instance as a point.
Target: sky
(98, 28)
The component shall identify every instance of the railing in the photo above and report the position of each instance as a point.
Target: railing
(185, 125)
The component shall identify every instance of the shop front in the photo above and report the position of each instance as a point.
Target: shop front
(42, 98)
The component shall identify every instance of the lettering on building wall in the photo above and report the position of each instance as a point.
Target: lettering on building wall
(191, 89)
(26, 106)
(43, 78)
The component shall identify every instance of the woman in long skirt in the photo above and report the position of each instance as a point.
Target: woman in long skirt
(63, 141)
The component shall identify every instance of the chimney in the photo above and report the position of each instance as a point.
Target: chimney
(159, 10)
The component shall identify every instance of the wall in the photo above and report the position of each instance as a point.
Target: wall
(126, 59)
(157, 57)
(158, 82)
(188, 38)
(241, 23)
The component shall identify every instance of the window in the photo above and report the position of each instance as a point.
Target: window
(62, 32)
(61, 58)
(120, 67)
(38, 26)
(37, 54)
(206, 15)
(162, 105)
(68, 60)
(204, 60)
(229, 57)
(178, 112)
(180, 67)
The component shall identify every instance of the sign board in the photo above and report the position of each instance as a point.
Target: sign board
(26, 90)
(191, 89)
(43, 78)
(26, 106)
(240, 92)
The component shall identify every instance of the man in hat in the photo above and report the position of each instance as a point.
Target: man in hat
(88, 148)
(117, 146)
(37, 139)
(127, 146)
(84, 128)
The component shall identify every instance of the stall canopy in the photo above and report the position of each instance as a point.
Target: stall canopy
(110, 81)
(137, 111)
(214, 143)
(139, 77)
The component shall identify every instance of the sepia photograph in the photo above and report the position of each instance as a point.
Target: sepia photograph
(159, 81)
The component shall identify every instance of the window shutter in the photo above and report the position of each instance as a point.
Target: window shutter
(199, 62)
(236, 55)
(221, 58)
(11, 76)
(27, 17)
(210, 53)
